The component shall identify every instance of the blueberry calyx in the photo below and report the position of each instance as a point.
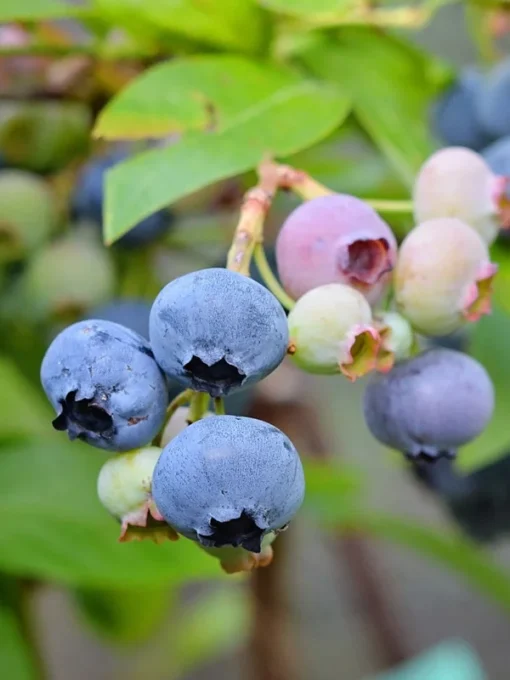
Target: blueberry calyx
(430, 455)
(365, 261)
(217, 379)
(242, 531)
(83, 417)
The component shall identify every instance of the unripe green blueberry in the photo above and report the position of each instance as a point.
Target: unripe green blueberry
(28, 213)
(443, 276)
(332, 331)
(457, 182)
(124, 487)
(43, 136)
(396, 334)
(68, 277)
(177, 423)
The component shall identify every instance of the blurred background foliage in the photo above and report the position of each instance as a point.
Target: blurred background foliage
(189, 96)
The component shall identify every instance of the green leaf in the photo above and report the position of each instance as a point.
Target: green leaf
(230, 24)
(16, 660)
(23, 410)
(290, 120)
(447, 549)
(305, 7)
(189, 94)
(390, 85)
(53, 527)
(34, 10)
(489, 344)
(215, 625)
(126, 616)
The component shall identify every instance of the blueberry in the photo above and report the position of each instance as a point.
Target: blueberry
(68, 277)
(494, 101)
(443, 278)
(430, 405)
(332, 331)
(88, 199)
(215, 330)
(229, 481)
(133, 314)
(457, 182)
(28, 213)
(455, 116)
(336, 239)
(105, 386)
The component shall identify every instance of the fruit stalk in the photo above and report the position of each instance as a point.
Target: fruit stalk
(250, 229)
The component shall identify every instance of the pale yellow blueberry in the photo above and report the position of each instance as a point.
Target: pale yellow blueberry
(443, 276)
(457, 182)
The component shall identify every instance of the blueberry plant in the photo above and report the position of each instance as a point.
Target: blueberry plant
(138, 112)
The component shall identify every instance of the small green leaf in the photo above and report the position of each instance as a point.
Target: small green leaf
(390, 85)
(34, 10)
(16, 662)
(23, 410)
(204, 92)
(126, 616)
(292, 119)
(53, 527)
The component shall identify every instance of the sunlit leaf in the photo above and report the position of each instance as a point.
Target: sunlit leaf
(292, 119)
(205, 92)
(32, 10)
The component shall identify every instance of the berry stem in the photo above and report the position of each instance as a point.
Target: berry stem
(198, 406)
(383, 206)
(250, 228)
(300, 182)
(272, 283)
(219, 406)
(180, 400)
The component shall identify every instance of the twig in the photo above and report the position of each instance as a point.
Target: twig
(249, 231)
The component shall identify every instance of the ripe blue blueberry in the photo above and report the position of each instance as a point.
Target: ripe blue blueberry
(455, 116)
(215, 330)
(430, 405)
(229, 481)
(494, 101)
(87, 202)
(105, 386)
(131, 313)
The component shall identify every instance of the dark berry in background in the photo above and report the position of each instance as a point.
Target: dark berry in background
(88, 202)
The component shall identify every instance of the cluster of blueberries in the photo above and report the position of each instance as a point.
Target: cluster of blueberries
(473, 112)
(363, 305)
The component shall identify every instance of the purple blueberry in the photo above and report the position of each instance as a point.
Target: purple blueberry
(430, 405)
(215, 331)
(105, 386)
(229, 481)
(88, 199)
